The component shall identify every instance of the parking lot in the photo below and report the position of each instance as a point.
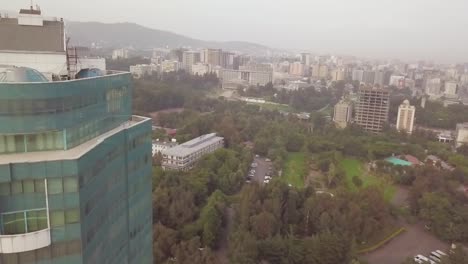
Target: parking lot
(260, 170)
(416, 240)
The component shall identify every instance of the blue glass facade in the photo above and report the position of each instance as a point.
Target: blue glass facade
(96, 159)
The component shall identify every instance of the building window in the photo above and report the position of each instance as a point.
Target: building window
(57, 218)
(70, 184)
(28, 186)
(4, 189)
(16, 187)
(55, 185)
(37, 220)
(13, 223)
(72, 216)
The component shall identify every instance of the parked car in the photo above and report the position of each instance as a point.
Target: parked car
(420, 259)
(268, 160)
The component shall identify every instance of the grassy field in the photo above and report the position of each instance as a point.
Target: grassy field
(273, 107)
(295, 169)
(354, 167)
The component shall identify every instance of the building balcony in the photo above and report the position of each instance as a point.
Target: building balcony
(24, 242)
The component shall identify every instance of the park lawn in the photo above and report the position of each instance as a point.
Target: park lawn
(295, 169)
(353, 167)
(274, 107)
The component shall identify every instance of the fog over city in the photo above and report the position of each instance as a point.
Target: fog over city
(417, 29)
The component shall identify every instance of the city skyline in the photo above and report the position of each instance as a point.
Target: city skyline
(387, 29)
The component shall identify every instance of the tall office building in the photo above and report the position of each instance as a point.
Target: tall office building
(75, 167)
(189, 58)
(212, 56)
(372, 109)
(306, 59)
(405, 119)
(342, 114)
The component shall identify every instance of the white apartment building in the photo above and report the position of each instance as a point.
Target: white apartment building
(184, 156)
(140, 70)
(461, 134)
(451, 89)
(201, 69)
(252, 77)
(160, 146)
(120, 54)
(170, 66)
(405, 119)
(342, 114)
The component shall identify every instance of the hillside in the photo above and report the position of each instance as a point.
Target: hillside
(133, 35)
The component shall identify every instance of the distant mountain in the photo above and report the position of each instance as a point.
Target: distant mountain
(133, 35)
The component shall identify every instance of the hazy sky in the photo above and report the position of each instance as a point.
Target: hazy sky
(411, 29)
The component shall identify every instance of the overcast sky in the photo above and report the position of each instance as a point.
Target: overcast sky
(407, 29)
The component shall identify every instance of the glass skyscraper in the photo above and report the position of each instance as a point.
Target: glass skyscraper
(75, 171)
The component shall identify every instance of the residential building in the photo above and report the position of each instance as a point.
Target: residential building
(451, 89)
(177, 54)
(140, 70)
(184, 156)
(189, 58)
(397, 81)
(315, 71)
(212, 56)
(261, 67)
(170, 66)
(251, 77)
(368, 77)
(433, 87)
(461, 134)
(120, 54)
(379, 78)
(372, 109)
(201, 69)
(160, 146)
(227, 60)
(342, 113)
(296, 68)
(75, 164)
(306, 59)
(337, 74)
(323, 72)
(358, 75)
(405, 119)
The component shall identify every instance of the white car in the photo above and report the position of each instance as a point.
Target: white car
(420, 259)
(268, 177)
(266, 181)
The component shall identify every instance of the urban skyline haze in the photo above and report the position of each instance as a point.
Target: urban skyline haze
(409, 30)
